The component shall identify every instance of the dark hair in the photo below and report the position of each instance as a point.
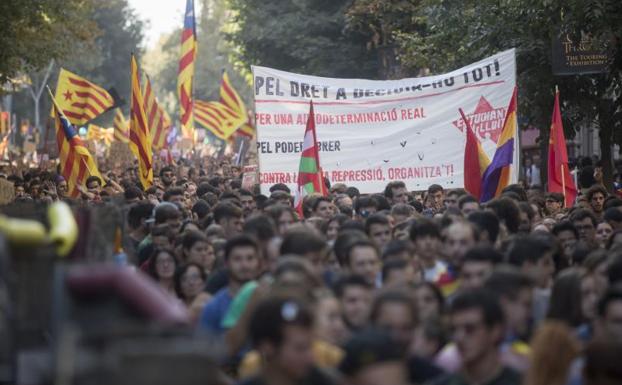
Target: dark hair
(201, 208)
(597, 188)
(138, 212)
(581, 214)
(340, 286)
(611, 295)
(342, 243)
(483, 253)
(280, 187)
(269, 319)
(376, 219)
(244, 192)
(614, 271)
(422, 227)
(486, 221)
(302, 241)
(557, 197)
(527, 248)
(466, 199)
(318, 200)
(339, 218)
(393, 296)
(388, 190)
(434, 188)
(241, 240)
(395, 264)
(565, 226)
(191, 237)
(353, 192)
(151, 267)
(602, 362)
(383, 203)
(261, 226)
(92, 178)
(204, 188)
(171, 192)
(364, 201)
(226, 211)
(612, 202)
(479, 299)
(395, 247)
(565, 303)
(507, 211)
(165, 211)
(133, 192)
(517, 189)
(507, 282)
(613, 214)
(358, 243)
(180, 273)
(165, 169)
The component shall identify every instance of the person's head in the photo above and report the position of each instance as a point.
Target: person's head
(280, 187)
(196, 248)
(329, 324)
(526, 215)
(401, 231)
(430, 300)
(613, 216)
(132, 195)
(460, 237)
(362, 258)
(168, 214)
(468, 204)
(609, 320)
(372, 357)
(514, 290)
(585, 222)
(596, 197)
(395, 311)
(402, 212)
(163, 264)
(573, 297)
(603, 233)
(507, 211)
(167, 176)
(189, 281)
(365, 206)
(174, 195)
(477, 322)
(94, 184)
(399, 272)
(452, 197)
(138, 214)
(567, 236)
(426, 236)
(477, 265)
(242, 259)
(534, 256)
(281, 330)
(487, 225)
(553, 203)
(396, 192)
(322, 207)
(332, 226)
(307, 243)
(378, 229)
(229, 217)
(435, 196)
(284, 217)
(355, 295)
(602, 362)
(247, 200)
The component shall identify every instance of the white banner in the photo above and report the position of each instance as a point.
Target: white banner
(372, 132)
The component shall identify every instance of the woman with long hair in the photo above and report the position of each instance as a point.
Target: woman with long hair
(161, 267)
(189, 286)
(196, 248)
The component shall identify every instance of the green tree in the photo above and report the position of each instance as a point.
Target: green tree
(34, 31)
(306, 36)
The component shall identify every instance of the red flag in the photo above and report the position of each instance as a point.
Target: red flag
(310, 177)
(560, 179)
(475, 161)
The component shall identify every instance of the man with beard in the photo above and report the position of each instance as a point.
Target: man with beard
(167, 177)
(243, 264)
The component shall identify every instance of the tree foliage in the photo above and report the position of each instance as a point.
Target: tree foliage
(34, 31)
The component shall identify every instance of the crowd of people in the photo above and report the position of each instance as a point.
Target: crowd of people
(399, 287)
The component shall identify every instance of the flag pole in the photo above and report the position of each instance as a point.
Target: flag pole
(563, 183)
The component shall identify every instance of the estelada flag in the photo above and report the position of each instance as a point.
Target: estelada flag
(140, 140)
(497, 174)
(80, 99)
(475, 161)
(75, 160)
(157, 119)
(310, 178)
(230, 98)
(121, 127)
(185, 73)
(560, 179)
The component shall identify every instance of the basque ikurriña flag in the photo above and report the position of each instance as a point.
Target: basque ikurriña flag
(310, 178)
(497, 174)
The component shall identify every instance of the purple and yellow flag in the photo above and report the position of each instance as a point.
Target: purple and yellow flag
(497, 175)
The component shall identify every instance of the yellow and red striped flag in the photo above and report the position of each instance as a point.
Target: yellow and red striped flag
(100, 134)
(157, 119)
(76, 162)
(221, 120)
(185, 74)
(140, 141)
(79, 99)
(230, 98)
(121, 127)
